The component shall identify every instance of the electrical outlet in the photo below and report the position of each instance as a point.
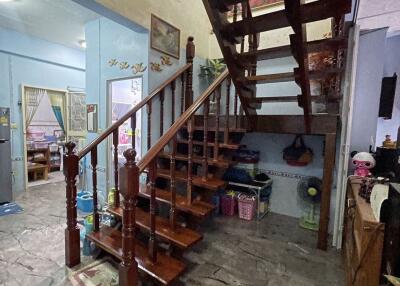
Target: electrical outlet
(18, 159)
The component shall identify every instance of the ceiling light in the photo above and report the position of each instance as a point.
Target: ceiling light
(82, 43)
(6, 1)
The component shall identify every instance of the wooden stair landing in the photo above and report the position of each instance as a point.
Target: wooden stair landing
(181, 237)
(211, 183)
(166, 270)
(196, 208)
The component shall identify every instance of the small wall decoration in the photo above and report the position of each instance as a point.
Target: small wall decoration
(137, 68)
(112, 62)
(166, 61)
(124, 65)
(156, 67)
(164, 38)
(92, 111)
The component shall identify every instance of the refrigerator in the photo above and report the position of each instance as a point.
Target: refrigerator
(5, 156)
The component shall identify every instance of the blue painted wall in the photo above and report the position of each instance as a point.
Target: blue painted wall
(108, 40)
(25, 60)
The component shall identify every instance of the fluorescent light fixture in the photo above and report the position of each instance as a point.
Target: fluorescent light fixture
(82, 43)
(3, 1)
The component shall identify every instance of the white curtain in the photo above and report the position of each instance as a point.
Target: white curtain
(33, 98)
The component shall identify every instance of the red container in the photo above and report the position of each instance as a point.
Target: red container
(228, 205)
(247, 207)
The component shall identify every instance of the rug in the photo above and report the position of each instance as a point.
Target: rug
(99, 273)
(10, 208)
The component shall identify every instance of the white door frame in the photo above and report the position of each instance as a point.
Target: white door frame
(24, 127)
(109, 159)
(346, 124)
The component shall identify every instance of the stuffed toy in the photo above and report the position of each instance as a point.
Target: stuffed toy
(363, 161)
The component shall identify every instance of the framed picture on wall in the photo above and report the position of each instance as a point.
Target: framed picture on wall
(91, 111)
(164, 37)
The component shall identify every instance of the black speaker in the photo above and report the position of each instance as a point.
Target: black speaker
(387, 96)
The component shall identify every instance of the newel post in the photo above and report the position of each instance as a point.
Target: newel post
(71, 171)
(129, 188)
(190, 51)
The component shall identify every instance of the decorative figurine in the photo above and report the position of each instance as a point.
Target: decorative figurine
(363, 161)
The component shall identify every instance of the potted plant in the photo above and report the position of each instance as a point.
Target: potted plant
(210, 71)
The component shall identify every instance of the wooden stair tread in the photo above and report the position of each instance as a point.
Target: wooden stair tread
(196, 208)
(222, 163)
(211, 183)
(286, 51)
(290, 76)
(166, 270)
(182, 237)
(232, 146)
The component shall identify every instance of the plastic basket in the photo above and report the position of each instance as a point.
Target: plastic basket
(228, 205)
(247, 207)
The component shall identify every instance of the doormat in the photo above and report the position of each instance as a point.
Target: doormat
(98, 273)
(10, 208)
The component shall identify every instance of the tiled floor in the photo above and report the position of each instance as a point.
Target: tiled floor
(272, 253)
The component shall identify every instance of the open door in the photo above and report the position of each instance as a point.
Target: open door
(346, 123)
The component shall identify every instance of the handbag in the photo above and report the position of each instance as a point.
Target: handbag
(298, 154)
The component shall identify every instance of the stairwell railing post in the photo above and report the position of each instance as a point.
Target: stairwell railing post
(190, 52)
(129, 188)
(72, 242)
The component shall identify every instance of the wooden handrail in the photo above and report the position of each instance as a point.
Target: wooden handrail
(136, 108)
(169, 135)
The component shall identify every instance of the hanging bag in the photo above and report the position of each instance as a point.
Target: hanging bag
(298, 154)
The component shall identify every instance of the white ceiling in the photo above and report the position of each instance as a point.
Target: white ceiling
(57, 21)
(374, 14)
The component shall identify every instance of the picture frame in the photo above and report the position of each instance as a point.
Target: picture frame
(164, 37)
(92, 117)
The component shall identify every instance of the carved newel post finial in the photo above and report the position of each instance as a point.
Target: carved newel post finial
(70, 147)
(130, 156)
(190, 49)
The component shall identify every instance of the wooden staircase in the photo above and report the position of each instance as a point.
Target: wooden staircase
(233, 31)
(181, 172)
(183, 167)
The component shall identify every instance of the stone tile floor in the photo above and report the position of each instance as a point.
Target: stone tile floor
(273, 252)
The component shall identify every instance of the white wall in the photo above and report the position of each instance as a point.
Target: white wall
(392, 65)
(367, 89)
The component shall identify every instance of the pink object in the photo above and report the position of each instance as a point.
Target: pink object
(228, 205)
(35, 135)
(123, 138)
(247, 207)
(363, 161)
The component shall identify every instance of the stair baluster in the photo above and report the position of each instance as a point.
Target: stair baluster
(151, 185)
(148, 110)
(217, 115)
(161, 112)
(190, 128)
(72, 240)
(172, 214)
(128, 269)
(173, 86)
(206, 110)
(227, 102)
(133, 127)
(116, 193)
(235, 109)
(182, 93)
(96, 218)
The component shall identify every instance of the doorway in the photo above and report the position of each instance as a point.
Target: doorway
(123, 95)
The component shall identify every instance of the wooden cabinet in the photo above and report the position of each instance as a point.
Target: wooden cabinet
(363, 240)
